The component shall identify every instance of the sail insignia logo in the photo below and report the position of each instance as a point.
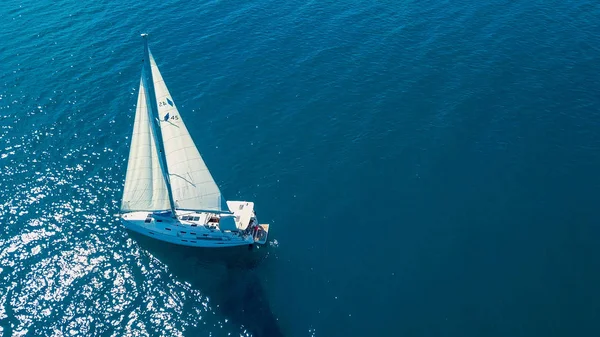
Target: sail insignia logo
(169, 102)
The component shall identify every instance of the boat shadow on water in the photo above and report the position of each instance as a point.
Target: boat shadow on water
(228, 276)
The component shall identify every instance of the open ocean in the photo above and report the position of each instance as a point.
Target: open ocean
(429, 168)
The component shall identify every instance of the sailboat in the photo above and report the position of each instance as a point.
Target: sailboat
(169, 193)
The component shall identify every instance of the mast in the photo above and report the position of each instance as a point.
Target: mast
(151, 97)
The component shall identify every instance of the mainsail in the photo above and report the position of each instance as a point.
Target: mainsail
(145, 187)
(192, 185)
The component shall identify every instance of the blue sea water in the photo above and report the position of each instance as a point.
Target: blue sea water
(429, 168)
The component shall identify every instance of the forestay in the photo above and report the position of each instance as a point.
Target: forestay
(192, 185)
(145, 187)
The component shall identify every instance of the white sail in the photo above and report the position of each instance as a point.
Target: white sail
(145, 187)
(192, 185)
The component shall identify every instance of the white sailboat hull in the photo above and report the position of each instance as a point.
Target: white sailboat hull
(193, 233)
(138, 227)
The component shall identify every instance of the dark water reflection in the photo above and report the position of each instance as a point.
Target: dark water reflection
(230, 277)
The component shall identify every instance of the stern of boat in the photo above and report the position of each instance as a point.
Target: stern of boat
(261, 234)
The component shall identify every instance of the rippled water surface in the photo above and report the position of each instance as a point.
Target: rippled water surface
(429, 168)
